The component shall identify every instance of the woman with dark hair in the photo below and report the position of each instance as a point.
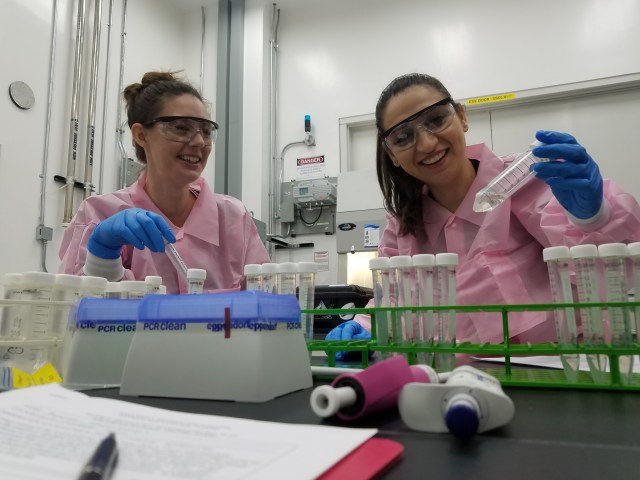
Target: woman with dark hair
(121, 235)
(429, 179)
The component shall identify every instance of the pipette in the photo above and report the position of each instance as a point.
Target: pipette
(514, 177)
(353, 395)
(176, 259)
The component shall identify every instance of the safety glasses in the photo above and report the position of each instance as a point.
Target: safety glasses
(184, 129)
(434, 119)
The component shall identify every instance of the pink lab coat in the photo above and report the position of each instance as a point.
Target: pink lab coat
(219, 236)
(500, 252)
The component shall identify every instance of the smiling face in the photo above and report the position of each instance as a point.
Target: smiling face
(172, 163)
(437, 160)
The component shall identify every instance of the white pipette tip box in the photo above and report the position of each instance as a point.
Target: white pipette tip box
(242, 346)
(97, 342)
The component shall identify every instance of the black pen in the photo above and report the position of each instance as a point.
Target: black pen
(100, 465)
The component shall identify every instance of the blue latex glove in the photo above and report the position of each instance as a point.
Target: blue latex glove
(575, 181)
(350, 330)
(134, 226)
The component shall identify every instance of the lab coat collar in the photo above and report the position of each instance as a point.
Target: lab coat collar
(203, 219)
(435, 215)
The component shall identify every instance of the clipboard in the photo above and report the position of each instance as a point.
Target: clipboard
(368, 461)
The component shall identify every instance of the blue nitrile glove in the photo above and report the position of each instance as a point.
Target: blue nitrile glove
(134, 226)
(350, 330)
(576, 181)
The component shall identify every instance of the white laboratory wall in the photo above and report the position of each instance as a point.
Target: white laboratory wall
(160, 35)
(335, 57)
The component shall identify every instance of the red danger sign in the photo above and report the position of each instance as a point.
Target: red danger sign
(310, 160)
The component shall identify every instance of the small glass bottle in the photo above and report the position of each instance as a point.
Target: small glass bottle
(153, 283)
(113, 290)
(253, 276)
(133, 289)
(287, 272)
(196, 278)
(424, 265)
(446, 265)
(557, 260)
(306, 295)
(93, 287)
(270, 277)
(508, 182)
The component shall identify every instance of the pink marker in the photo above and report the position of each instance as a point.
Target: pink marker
(353, 395)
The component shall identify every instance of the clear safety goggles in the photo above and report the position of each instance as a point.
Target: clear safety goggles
(184, 129)
(433, 119)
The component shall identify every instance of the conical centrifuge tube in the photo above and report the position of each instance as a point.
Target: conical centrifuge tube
(509, 181)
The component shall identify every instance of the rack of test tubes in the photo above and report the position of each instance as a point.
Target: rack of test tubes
(597, 320)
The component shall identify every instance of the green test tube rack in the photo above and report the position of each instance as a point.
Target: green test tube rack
(508, 373)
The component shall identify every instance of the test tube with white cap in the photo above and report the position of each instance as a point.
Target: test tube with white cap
(253, 276)
(195, 280)
(508, 182)
(585, 258)
(38, 286)
(153, 283)
(557, 260)
(424, 265)
(287, 273)
(306, 295)
(380, 271)
(445, 267)
(614, 256)
(403, 320)
(270, 277)
(634, 254)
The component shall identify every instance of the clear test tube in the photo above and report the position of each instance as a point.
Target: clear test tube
(424, 265)
(508, 182)
(557, 260)
(153, 283)
(195, 280)
(634, 255)
(67, 289)
(176, 259)
(403, 272)
(134, 289)
(380, 272)
(12, 324)
(93, 287)
(613, 257)
(253, 276)
(287, 273)
(306, 295)
(270, 277)
(446, 265)
(585, 261)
